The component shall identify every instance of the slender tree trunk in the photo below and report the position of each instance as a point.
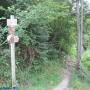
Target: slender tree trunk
(78, 36)
(82, 26)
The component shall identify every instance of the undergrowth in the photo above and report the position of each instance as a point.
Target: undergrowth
(79, 83)
(46, 79)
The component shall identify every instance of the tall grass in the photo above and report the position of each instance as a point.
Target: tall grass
(45, 80)
(78, 83)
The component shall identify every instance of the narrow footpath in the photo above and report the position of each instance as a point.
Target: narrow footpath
(67, 73)
(63, 85)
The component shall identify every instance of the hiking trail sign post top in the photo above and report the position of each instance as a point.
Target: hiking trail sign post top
(11, 23)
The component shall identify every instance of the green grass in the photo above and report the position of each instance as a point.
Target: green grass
(77, 84)
(45, 80)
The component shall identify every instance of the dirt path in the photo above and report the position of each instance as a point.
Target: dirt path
(67, 73)
(63, 85)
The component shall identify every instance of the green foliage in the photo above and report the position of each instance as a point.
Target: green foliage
(87, 33)
(86, 60)
(3, 6)
(5, 67)
(45, 28)
(78, 84)
(45, 80)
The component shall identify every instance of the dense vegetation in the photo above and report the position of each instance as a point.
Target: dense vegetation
(47, 32)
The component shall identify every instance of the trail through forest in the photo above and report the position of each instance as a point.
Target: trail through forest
(63, 85)
(67, 73)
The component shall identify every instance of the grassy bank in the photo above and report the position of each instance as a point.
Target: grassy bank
(45, 80)
(77, 83)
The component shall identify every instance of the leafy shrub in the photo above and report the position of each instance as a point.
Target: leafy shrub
(86, 60)
(5, 69)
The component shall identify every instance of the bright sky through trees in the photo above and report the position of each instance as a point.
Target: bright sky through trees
(88, 1)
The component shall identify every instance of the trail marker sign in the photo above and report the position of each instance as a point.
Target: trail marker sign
(11, 23)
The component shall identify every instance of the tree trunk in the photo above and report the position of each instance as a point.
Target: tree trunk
(82, 26)
(78, 36)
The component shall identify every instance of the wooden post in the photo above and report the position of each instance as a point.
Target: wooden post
(13, 64)
(11, 23)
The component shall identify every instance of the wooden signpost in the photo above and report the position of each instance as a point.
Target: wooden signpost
(12, 39)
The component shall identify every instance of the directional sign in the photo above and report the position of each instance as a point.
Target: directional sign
(12, 39)
(11, 30)
(12, 22)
